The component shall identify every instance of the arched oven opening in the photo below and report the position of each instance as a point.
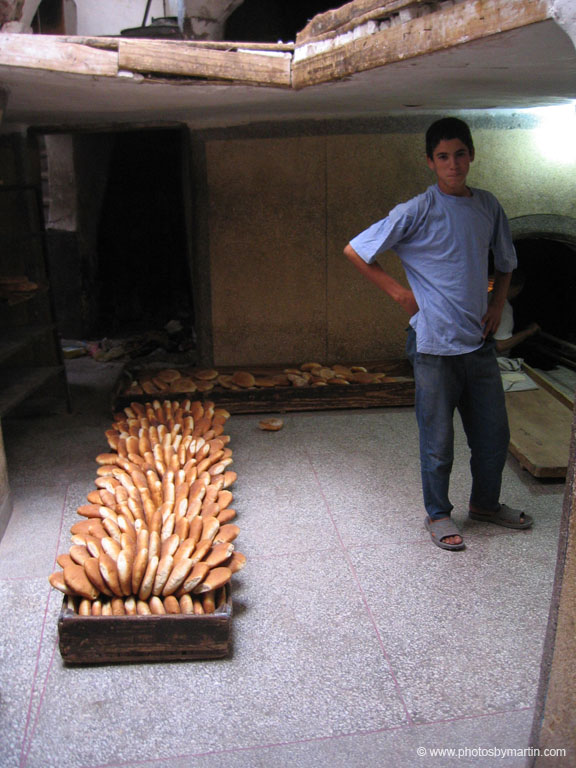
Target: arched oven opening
(546, 250)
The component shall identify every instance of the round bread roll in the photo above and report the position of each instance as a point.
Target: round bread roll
(271, 425)
(207, 374)
(182, 385)
(243, 379)
(168, 374)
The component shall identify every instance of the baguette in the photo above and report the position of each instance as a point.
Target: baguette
(216, 578)
(130, 606)
(210, 526)
(109, 573)
(171, 604)
(195, 577)
(186, 604)
(117, 606)
(56, 580)
(228, 532)
(156, 606)
(218, 554)
(164, 567)
(79, 554)
(78, 582)
(124, 563)
(92, 568)
(148, 580)
(142, 608)
(177, 576)
(139, 569)
(237, 562)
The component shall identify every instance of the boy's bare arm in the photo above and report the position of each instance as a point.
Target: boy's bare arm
(374, 272)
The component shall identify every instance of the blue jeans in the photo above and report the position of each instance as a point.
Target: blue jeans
(472, 384)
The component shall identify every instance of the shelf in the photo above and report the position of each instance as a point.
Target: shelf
(12, 340)
(17, 384)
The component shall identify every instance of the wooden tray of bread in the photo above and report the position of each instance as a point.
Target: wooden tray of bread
(257, 389)
(151, 638)
(147, 576)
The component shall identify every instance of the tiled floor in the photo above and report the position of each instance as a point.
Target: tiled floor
(356, 642)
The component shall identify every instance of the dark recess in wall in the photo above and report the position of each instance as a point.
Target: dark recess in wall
(144, 278)
(271, 21)
(548, 294)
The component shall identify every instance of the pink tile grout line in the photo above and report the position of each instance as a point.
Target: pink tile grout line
(361, 592)
(29, 729)
(310, 740)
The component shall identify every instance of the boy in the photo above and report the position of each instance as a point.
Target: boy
(443, 238)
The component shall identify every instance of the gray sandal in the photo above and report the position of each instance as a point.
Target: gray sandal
(442, 529)
(505, 516)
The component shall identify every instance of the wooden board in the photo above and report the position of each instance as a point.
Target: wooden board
(540, 429)
(177, 57)
(137, 639)
(438, 31)
(43, 52)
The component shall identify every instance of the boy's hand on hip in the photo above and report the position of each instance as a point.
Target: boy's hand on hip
(491, 320)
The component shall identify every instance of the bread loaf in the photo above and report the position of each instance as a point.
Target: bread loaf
(157, 526)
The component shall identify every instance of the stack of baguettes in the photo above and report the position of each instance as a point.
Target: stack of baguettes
(157, 534)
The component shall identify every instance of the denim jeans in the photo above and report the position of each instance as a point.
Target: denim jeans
(470, 383)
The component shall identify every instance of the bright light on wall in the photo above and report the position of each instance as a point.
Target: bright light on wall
(555, 135)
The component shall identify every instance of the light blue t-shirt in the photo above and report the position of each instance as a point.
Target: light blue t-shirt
(443, 242)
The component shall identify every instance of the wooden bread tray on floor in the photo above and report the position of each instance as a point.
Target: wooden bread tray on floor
(396, 390)
(139, 639)
(540, 427)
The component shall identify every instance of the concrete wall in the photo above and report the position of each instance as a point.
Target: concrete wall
(281, 209)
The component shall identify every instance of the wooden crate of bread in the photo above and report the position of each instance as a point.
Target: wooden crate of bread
(137, 639)
(256, 389)
(148, 572)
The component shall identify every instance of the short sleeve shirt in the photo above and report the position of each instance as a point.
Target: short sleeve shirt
(443, 242)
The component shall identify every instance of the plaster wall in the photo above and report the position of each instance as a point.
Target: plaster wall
(281, 210)
(109, 17)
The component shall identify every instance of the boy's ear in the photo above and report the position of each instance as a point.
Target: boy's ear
(430, 163)
(472, 156)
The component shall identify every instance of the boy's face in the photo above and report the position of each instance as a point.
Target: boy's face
(451, 163)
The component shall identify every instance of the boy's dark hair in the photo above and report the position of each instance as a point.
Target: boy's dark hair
(446, 129)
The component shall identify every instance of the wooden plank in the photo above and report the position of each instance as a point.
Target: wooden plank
(345, 18)
(548, 385)
(178, 57)
(111, 43)
(44, 52)
(437, 31)
(540, 427)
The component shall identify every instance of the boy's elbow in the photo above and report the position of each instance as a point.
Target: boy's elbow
(350, 253)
